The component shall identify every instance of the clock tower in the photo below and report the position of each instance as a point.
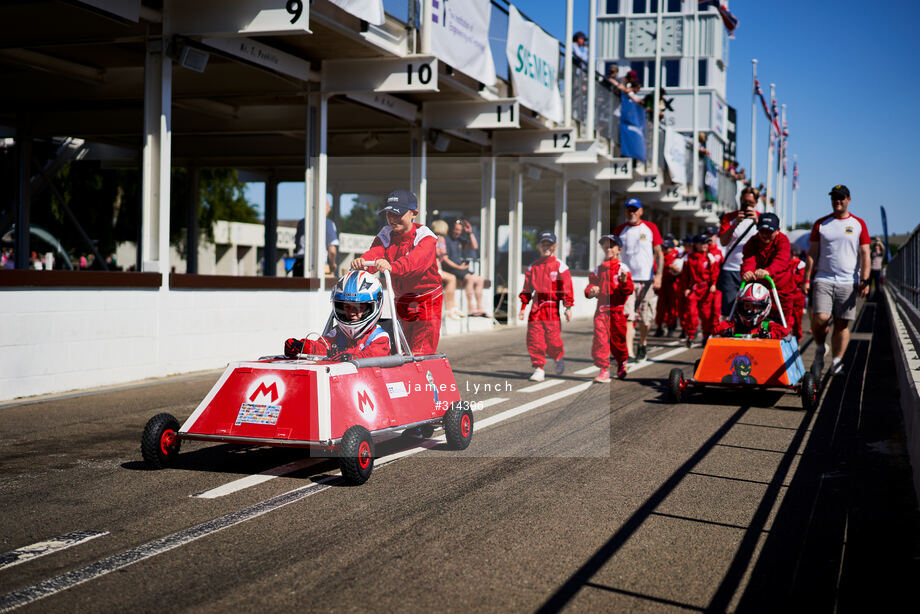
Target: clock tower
(627, 33)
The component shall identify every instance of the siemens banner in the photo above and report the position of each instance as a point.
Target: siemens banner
(533, 60)
(460, 37)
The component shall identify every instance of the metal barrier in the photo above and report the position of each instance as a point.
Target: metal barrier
(903, 272)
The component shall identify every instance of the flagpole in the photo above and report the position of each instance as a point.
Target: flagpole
(696, 94)
(770, 153)
(657, 94)
(754, 124)
(780, 176)
(567, 70)
(795, 168)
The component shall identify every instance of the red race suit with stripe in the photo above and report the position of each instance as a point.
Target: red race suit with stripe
(699, 274)
(798, 296)
(416, 283)
(375, 342)
(609, 319)
(548, 281)
(666, 313)
(773, 257)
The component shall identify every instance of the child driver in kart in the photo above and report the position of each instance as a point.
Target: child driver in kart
(751, 311)
(357, 301)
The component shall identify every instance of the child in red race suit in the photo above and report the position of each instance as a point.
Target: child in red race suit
(357, 302)
(549, 281)
(407, 250)
(751, 311)
(611, 283)
(666, 313)
(797, 264)
(698, 284)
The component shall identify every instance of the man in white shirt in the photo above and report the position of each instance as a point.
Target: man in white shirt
(580, 48)
(838, 256)
(642, 255)
(735, 229)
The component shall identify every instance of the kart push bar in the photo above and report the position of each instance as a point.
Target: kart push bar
(779, 307)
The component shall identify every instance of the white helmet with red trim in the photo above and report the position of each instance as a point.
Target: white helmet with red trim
(357, 302)
(754, 305)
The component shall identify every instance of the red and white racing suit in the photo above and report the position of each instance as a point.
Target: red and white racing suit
(798, 297)
(669, 295)
(772, 257)
(416, 283)
(698, 276)
(376, 342)
(767, 330)
(609, 319)
(549, 281)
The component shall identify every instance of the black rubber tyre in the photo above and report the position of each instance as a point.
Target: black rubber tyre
(809, 392)
(676, 385)
(458, 427)
(356, 455)
(159, 443)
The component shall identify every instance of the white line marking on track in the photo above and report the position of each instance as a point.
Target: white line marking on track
(253, 480)
(488, 403)
(520, 409)
(542, 385)
(651, 361)
(105, 566)
(587, 370)
(27, 553)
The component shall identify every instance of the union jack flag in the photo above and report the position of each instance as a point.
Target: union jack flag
(763, 101)
(795, 176)
(730, 21)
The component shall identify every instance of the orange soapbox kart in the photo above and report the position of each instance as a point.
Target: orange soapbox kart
(333, 408)
(744, 361)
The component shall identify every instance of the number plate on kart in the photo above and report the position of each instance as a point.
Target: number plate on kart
(253, 413)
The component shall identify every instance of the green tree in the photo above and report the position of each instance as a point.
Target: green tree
(362, 219)
(221, 197)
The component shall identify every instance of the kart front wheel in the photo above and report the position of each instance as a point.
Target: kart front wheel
(356, 455)
(160, 442)
(458, 427)
(676, 385)
(809, 392)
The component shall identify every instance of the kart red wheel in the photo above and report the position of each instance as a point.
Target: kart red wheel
(676, 385)
(356, 455)
(809, 391)
(160, 442)
(458, 427)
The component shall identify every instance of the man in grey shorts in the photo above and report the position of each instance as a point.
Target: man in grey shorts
(839, 256)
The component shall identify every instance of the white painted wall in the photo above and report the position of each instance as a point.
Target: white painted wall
(58, 340)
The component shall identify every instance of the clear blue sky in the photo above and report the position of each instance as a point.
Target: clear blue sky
(848, 76)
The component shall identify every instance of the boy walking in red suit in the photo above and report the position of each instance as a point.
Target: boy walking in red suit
(768, 253)
(698, 282)
(611, 283)
(549, 281)
(668, 296)
(407, 250)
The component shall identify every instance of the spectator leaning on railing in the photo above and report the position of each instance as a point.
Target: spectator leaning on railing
(461, 246)
(448, 280)
(838, 259)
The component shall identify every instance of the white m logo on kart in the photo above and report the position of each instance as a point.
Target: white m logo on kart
(266, 391)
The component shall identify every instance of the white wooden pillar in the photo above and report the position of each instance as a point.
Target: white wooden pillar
(561, 225)
(594, 232)
(418, 170)
(487, 225)
(315, 189)
(157, 158)
(515, 241)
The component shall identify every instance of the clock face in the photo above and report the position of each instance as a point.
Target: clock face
(641, 35)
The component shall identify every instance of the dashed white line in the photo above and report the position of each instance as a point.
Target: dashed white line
(28, 553)
(259, 478)
(587, 370)
(542, 385)
(488, 403)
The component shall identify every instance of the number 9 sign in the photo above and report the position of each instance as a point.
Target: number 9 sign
(295, 8)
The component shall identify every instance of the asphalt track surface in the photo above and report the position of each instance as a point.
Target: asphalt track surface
(576, 496)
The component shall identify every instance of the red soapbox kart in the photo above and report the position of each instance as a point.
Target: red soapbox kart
(334, 408)
(744, 361)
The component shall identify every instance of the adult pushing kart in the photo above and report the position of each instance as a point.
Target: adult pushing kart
(339, 403)
(752, 351)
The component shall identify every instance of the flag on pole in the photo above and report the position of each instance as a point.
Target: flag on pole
(763, 101)
(632, 129)
(795, 176)
(728, 19)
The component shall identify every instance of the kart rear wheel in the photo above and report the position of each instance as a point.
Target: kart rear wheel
(458, 427)
(809, 391)
(160, 442)
(356, 455)
(676, 385)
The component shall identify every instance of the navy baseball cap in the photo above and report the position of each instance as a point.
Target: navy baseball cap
(547, 235)
(633, 202)
(400, 201)
(841, 190)
(668, 244)
(612, 238)
(687, 239)
(700, 238)
(768, 221)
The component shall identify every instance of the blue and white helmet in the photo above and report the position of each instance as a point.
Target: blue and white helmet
(357, 287)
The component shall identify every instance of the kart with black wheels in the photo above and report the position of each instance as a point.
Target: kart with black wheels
(339, 406)
(747, 361)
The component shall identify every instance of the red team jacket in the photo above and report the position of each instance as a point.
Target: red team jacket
(375, 342)
(549, 281)
(412, 256)
(700, 272)
(612, 294)
(773, 258)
